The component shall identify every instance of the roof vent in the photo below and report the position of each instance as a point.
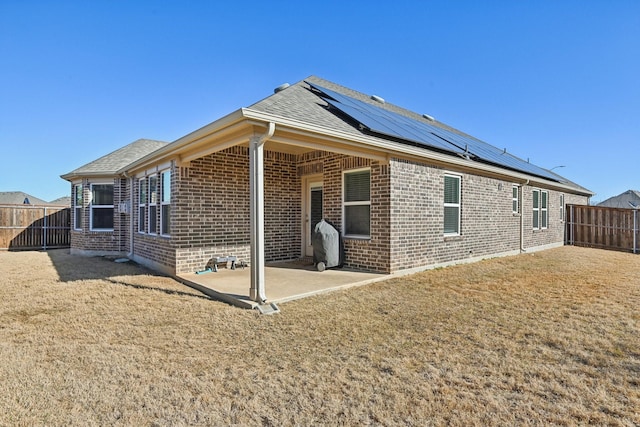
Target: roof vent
(378, 99)
(281, 87)
(428, 117)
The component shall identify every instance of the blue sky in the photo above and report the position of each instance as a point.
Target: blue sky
(557, 82)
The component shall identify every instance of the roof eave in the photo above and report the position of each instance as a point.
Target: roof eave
(73, 176)
(205, 133)
(391, 149)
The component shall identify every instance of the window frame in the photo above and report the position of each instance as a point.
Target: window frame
(346, 204)
(515, 199)
(165, 203)
(76, 208)
(152, 205)
(93, 206)
(544, 209)
(457, 205)
(562, 209)
(541, 211)
(142, 205)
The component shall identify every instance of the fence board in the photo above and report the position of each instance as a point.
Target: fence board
(603, 227)
(24, 227)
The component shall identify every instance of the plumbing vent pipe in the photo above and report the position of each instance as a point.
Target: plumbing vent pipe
(281, 87)
(378, 99)
(428, 117)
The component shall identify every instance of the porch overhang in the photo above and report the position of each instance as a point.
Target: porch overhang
(259, 131)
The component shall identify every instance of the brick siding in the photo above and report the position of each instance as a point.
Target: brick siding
(101, 242)
(210, 213)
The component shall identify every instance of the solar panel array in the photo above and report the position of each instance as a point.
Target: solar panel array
(388, 123)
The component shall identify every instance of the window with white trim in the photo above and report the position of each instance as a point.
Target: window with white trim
(101, 207)
(356, 203)
(540, 209)
(452, 205)
(78, 201)
(544, 201)
(165, 202)
(153, 204)
(515, 200)
(142, 205)
(562, 207)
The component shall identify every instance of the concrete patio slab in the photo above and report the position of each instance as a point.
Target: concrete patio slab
(284, 281)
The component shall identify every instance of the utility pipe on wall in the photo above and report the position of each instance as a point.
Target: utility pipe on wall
(256, 178)
(522, 249)
(635, 231)
(131, 199)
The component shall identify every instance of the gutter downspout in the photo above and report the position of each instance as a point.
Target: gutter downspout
(635, 231)
(256, 172)
(131, 188)
(522, 249)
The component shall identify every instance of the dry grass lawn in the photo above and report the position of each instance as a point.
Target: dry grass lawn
(551, 338)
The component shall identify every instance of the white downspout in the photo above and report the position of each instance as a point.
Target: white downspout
(131, 199)
(522, 249)
(256, 172)
(635, 231)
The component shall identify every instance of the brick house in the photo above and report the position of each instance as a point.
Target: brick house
(406, 191)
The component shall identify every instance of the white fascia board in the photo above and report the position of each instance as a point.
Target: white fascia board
(172, 149)
(391, 148)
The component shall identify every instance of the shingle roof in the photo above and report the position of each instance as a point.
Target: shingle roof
(110, 163)
(622, 200)
(297, 102)
(19, 198)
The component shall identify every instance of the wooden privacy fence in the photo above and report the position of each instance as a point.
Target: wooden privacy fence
(603, 227)
(24, 227)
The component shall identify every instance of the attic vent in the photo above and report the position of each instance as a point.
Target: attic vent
(281, 87)
(378, 99)
(428, 117)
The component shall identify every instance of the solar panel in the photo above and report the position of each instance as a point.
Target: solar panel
(381, 121)
(384, 122)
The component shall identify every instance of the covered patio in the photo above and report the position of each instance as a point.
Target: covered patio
(285, 281)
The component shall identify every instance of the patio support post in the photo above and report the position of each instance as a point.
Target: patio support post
(256, 172)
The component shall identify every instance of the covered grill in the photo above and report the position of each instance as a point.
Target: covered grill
(328, 249)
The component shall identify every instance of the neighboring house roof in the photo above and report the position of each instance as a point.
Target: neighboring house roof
(630, 199)
(299, 118)
(109, 164)
(61, 201)
(19, 198)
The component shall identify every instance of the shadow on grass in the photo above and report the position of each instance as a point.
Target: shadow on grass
(153, 288)
(72, 268)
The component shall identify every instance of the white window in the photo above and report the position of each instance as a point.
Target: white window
(357, 203)
(101, 218)
(78, 200)
(544, 200)
(540, 209)
(452, 205)
(562, 207)
(165, 202)
(515, 200)
(536, 209)
(142, 205)
(153, 204)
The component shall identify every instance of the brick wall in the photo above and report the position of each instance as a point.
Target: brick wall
(365, 254)
(154, 250)
(488, 224)
(210, 214)
(212, 208)
(556, 226)
(102, 242)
